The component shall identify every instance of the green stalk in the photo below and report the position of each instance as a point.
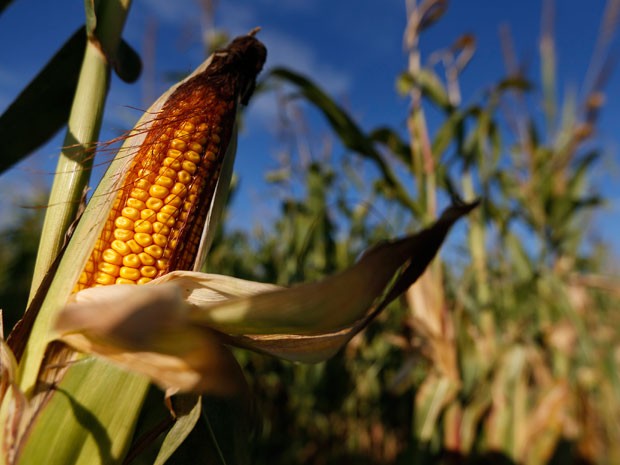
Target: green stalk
(477, 246)
(76, 159)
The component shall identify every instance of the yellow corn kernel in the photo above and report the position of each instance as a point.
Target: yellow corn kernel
(189, 166)
(147, 214)
(123, 223)
(169, 209)
(154, 203)
(147, 174)
(121, 247)
(192, 156)
(123, 234)
(188, 126)
(139, 194)
(174, 154)
(166, 218)
(164, 181)
(142, 184)
(179, 189)
(146, 259)
(132, 274)
(108, 268)
(184, 177)
(168, 172)
(143, 226)
(143, 280)
(172, 162)
(131, 213)
(182, 134)
(103, 278)
(154, 251)
(195, 147)
(148, 271)
(125, 281)
(135, 203)
(178, 144)
(160, 240)
(161, 228)
(173, 200)
(159, 192)
(134, 246)
(143, 239)
(132, 261)
(112, 256)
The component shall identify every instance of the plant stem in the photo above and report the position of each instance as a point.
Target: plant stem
(76, 158)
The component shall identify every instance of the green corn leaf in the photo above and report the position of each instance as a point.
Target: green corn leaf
(42, 108)
(127, 63)
(79, 426)
(90, 11)
(429, 84)
(433, 396)
(394, 142)
(4, 4)
(231, 421)
(188, 414)
(433, 89)
(350, 134)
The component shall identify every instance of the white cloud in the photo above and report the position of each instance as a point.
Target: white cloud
(284, 50)
(238, 18)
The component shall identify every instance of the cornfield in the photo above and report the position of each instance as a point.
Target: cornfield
(368, 347)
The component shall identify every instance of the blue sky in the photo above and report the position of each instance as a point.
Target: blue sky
(354, 49)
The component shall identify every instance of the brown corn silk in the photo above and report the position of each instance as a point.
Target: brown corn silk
(157, 219)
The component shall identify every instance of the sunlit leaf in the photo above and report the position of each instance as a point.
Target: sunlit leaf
(79, 422)
(8, 366)
(148, 332)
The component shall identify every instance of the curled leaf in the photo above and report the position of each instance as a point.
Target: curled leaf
(147, 332)
(174, 328)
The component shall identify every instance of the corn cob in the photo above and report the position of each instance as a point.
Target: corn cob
(157, 218)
